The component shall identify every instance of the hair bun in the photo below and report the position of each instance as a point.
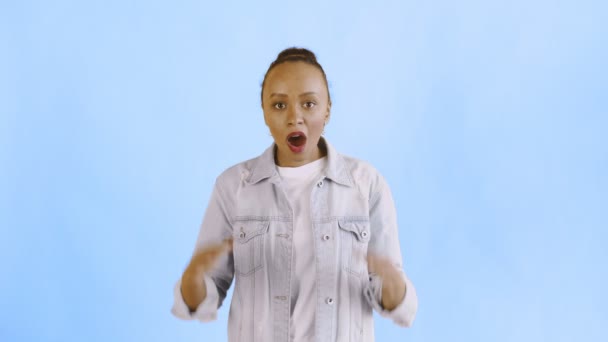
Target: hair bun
(296, 53)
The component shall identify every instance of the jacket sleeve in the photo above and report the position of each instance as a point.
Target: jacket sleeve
(214, 229)
(206, 310)
(384, 241)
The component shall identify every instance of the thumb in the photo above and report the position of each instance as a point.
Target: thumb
(379, 265)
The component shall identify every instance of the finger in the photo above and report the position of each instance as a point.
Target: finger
(206, 257)
(372, 263)
(379, 265)
(217, 250)
(228, 244)
(211, 251)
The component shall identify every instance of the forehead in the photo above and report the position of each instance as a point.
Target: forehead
(295, 76)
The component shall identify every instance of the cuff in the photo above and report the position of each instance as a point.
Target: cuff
(404, 313)
(206, 310)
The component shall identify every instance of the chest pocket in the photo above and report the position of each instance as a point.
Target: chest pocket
(354, 239)
(249, 246)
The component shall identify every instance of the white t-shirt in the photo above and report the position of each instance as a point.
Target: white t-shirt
(298, 183)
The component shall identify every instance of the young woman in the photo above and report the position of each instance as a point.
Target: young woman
(309, 234)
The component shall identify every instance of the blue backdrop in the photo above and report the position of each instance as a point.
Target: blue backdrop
(488, 119)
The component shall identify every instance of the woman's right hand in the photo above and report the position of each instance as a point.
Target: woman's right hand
(193, 280)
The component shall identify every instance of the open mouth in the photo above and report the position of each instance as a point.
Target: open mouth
(296, 141)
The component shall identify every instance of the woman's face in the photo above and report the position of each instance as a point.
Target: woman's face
(296, 108)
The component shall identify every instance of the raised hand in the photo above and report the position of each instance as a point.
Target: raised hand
(393, 285)
(193, 282)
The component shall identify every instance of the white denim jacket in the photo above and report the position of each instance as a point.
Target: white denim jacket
(352, 213)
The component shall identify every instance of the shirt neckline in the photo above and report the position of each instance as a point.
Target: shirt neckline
(304, 170)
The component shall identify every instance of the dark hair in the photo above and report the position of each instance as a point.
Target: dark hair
(294, 54)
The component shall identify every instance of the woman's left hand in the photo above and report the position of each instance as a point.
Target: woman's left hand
(393, 285)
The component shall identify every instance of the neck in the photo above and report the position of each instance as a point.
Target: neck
(320, 152)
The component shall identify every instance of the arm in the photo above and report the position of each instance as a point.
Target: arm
(193, 286)
(203, 286)
(390, 292)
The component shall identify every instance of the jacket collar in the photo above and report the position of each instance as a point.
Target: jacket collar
(265, 167)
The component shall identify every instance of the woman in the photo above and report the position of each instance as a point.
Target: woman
(309, 234)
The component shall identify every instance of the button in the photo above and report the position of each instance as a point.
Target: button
(325, 237)
(320, 184)
(364, 234)
(329, 301)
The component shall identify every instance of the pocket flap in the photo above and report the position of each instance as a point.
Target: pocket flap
(359, 228)
(247, 230)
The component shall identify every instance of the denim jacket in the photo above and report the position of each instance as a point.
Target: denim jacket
(352, 214)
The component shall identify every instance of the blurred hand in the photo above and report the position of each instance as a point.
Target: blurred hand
(393, 285)
(193, 282)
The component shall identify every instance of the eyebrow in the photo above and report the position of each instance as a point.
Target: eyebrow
(301, 95)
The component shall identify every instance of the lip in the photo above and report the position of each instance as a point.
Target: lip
(293, 148)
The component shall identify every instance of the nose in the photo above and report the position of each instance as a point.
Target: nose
(294, 116)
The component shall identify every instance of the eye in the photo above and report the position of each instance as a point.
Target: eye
(309, 104)
(279, 105)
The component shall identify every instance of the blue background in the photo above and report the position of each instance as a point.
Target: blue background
(488, 119)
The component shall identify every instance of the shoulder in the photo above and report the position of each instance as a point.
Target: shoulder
(237, 172)
(344, 166)
(358, 167)
(249, 171)
(364, 176)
